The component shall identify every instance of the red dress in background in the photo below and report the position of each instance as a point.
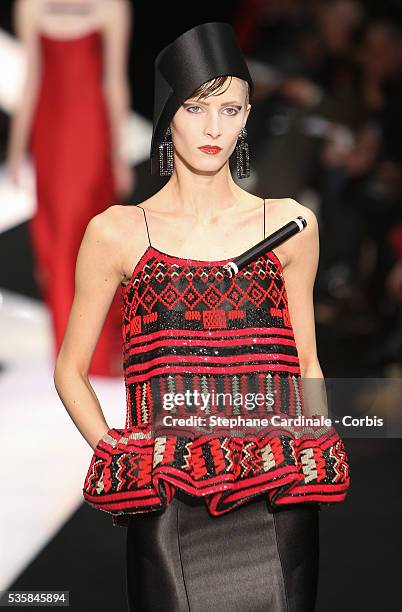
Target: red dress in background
(71, 151)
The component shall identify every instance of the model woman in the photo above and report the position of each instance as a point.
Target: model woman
(215, 521)
(70, 118)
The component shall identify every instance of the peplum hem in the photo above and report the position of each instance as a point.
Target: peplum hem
(133, 471)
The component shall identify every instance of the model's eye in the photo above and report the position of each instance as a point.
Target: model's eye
(193, 109)
(231, 110)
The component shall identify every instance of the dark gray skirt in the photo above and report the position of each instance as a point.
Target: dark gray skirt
(251, 559)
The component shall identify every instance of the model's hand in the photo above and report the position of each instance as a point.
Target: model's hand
(96, 440)
(124, 176)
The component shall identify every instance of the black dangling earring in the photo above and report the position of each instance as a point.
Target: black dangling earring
(243, 155)
(166, 155)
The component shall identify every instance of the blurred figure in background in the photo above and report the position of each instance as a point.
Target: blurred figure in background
(328, 94)
(70, 119)
(361, 182)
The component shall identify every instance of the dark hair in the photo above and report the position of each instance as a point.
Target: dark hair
(210, 87)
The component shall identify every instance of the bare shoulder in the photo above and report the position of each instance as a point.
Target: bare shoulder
(282, 210)
(123, 226)
(308, 238)
(120, 222)
(125, 219)
(107, 225)
(109, 229)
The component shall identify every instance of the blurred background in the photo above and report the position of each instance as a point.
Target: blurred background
(75, 129)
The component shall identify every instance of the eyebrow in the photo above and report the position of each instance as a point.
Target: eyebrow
(232, 103)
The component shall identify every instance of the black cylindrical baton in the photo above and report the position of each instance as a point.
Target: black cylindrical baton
(269, 243)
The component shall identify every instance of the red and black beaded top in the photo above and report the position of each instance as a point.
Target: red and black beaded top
(188, 327)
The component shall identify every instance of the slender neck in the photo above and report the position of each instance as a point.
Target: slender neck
(206, 197)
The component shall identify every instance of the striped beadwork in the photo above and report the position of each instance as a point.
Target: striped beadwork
(188, 327)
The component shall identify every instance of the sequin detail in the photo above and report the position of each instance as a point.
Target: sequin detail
(186, 326)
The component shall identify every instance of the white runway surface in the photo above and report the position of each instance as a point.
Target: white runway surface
(43, 457)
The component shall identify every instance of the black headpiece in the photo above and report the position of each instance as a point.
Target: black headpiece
(203, 53)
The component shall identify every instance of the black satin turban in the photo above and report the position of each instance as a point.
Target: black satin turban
(203, 53)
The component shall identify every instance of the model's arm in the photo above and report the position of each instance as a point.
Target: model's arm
(25, 27)
(118, 25)
(300, 273)
(97, 275)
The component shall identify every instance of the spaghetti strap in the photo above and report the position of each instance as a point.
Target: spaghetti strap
(146, 223)
(264, 217)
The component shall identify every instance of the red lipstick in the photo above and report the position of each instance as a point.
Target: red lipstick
(210, 150)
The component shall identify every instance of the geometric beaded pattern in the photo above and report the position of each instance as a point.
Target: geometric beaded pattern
(185, 325)
(191, 325)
